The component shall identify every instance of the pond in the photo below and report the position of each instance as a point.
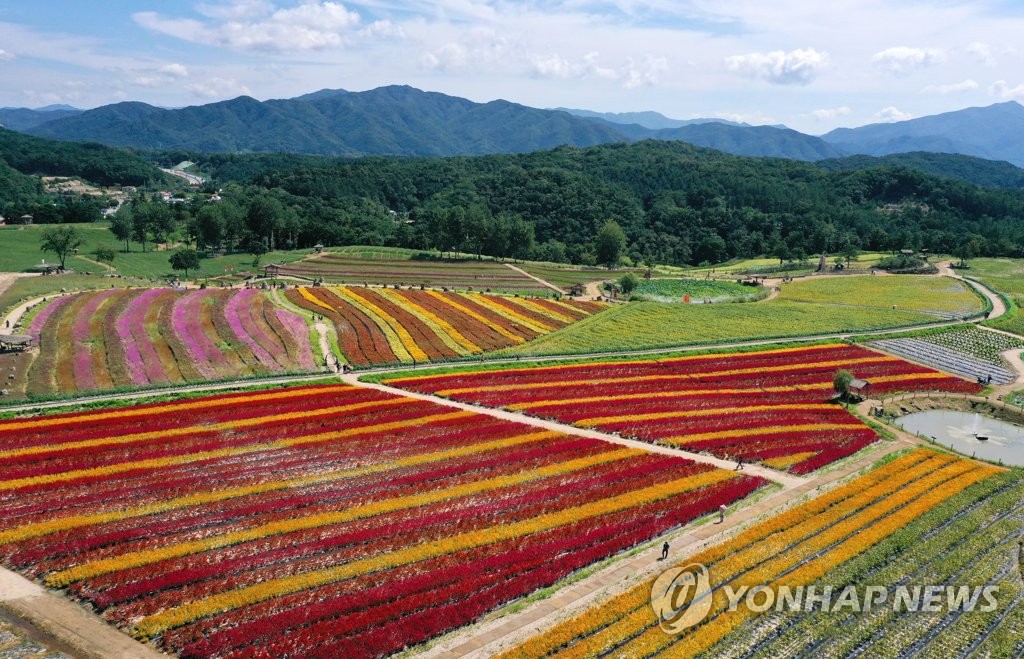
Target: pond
(961, 431)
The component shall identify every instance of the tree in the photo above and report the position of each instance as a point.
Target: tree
(841, 382)
(185, 259)
(105, 255)
(121, 225)
(628, 283)
(609, 244)
(60, 240)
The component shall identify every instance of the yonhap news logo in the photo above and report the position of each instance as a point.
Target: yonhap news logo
(683, 597)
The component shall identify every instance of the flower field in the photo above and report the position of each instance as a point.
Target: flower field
(927, 294)
(673, 290)
(923, 519)
(647, 325)
(478, 275)
(139, 337)
(321, 520)
(386, 326)
(769, 406)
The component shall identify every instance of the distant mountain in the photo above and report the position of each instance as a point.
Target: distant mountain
(968, 169)
(24, 118)
(767, 141)
(995, 132)
(388, 120)
(648, 119)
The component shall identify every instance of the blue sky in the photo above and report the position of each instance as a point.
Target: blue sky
(810, 65)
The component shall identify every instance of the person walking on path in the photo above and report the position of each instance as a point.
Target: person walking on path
(721, 513)
(664, 552)
(739, 464)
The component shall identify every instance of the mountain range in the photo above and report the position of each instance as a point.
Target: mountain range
(402, 120)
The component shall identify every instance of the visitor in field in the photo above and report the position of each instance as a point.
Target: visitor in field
(739, 464)
(721, 513)
(664, 552)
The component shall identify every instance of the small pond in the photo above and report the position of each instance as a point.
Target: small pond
(961, 430)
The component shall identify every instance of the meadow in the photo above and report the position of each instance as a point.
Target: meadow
(925, 294)
(649, 325)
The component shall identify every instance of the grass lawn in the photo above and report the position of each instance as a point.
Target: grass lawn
(1004, 275)
(647, 325)
(33, 287)
(770, 266)
(21, 251)
(673, 290)
(923, 293)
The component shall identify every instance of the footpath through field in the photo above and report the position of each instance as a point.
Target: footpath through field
(537, 279)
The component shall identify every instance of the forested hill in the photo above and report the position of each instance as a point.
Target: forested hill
(968, 169)
(677, 203)
(95, 163)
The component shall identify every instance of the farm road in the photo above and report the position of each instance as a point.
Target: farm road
(540, 281)
(786, 480)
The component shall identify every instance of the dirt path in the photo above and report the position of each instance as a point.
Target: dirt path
(67, 622)
(325, 347)
(540, 281)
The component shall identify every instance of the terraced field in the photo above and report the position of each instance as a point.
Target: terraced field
(156, 336)
(482, 276)
(696, 290)
(387, 326)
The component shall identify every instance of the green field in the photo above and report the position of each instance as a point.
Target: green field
(21, 252)
(565, 276)
(673, 290)
(1004, 275)
(938, 295)
(29, 288)
(648, 325)
(772, 267)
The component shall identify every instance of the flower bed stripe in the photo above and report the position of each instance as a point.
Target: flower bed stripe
(677, 414)
(445, 330)
(387, 323)
(515, 338)
(177, 616)
(758, 431)
(188, 501)
(124, 561)
(506, 310)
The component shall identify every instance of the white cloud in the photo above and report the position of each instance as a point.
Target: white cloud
(891, 114)
(830, 113)
(901, 59)
(174, 70)
(952, 88)
(310, 26)
(5, 56)
(218, 88)
(1001, 89)
(797, 67)
(982, 52)
(634, 74)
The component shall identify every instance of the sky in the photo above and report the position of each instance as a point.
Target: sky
(811, 65)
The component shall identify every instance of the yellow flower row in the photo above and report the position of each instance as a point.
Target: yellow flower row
(786, 461)
(510, 314)
(450, 301)
(542, 310)
(778, 551)
(648, 395)
(184, 613)
(849, 545)
(401, 342)
(635, 602)
(679, 376)
(79, 521)
(146, 557)
(305, 292)
(674, 360)
(710, 411)
(233, 424)
(444, 330)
